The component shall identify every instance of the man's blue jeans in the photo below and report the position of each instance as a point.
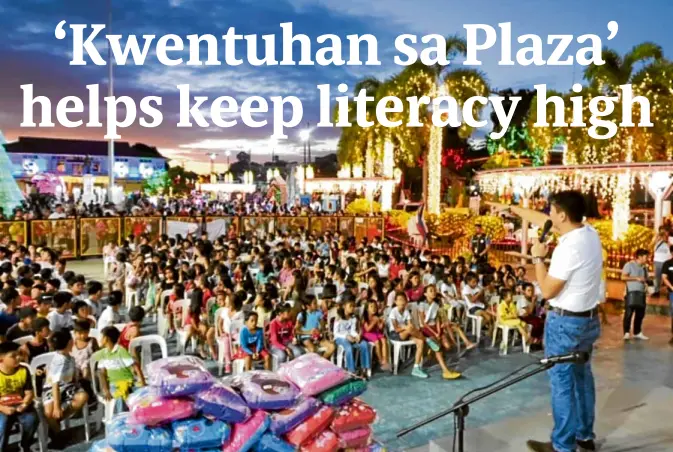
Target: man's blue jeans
(28, 422)
(573, 394)
(362, 346)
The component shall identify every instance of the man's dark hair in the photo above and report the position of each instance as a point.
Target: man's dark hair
(82, 325)
(8, 347)
(572, 203)
(61, 298)
(26, 312)
(115, 298)
(7, 296)
(79, 305)
(111, 333)
(527, 285)
(136, 314)
(250, 314)
(60, 340)
(40, 323)
(641, 252)
(55, 282)
(94, 287)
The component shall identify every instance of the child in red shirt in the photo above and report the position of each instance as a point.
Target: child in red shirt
(281, 335)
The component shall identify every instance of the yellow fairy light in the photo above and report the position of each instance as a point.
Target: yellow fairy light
(388, 159)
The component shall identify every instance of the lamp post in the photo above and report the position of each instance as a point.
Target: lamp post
(305, 136)
(110, 145)
(212, 162)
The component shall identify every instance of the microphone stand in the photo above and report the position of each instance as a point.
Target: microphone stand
(461, 408)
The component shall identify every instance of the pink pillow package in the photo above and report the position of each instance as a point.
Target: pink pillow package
(264, 390)
(284, 421)
(356, 414)
(245, 436)
(355, 439)
(147, 407)
(311, 427)
(327, 441)
(179, 376)
(313, 374)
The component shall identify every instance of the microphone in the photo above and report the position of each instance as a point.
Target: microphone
(574, 357)
(545, 230)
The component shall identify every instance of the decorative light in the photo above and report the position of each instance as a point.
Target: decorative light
(344, 172)
(228, 178)
(388, 159)
(305, 134)
(397, 175)
(435, 159)
(146, 170)
(276, 172)
(121, 169)
(357, 171)
(309, 172)
(621, 206)
(30, 167)
(269, 175)
(248, 178)
(299, 172)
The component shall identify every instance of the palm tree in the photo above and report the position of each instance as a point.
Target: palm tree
(419, 79)
(356, 143)
(620, 70)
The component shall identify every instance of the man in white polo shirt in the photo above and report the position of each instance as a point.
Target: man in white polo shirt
(572, 286)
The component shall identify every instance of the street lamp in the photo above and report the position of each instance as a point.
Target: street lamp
(212, 163)
(305, 136)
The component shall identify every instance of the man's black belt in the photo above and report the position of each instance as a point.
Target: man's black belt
(565, 313)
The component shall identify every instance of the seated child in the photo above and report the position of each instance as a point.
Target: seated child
(39, 344)
(116, 367)
(195, 325)
(264, 309)
(347, 336)
(372, 326)
(62, 395)
(16, 398)
(44, 304)
(110, 315)
(173, 308)
(25, 292)
(436, 327)
(24, 327)
(401, 328)
(132, 329)
(309, 329)
(95, 291)
(82, 311)
(508, 314)
(220, 302)
(281, 335)
(252, 343)
(474, 298)
(82, 351)
(60, 317)
(230, 323)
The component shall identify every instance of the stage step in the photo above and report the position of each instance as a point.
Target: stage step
(628, 419)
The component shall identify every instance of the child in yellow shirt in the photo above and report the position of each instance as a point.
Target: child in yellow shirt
(508, 314)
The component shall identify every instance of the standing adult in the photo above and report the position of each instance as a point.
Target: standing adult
(667, 280)
(635, 275)
(572, 286)
(479, 244)
(662, 253)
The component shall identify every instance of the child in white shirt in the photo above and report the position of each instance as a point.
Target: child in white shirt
(347, 336)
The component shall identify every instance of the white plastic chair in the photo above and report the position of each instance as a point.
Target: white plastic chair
(398, 347)
(132, 295)
(237, 365)
(475, 321)
(43, 430)
(162, 320)
(181, 331)
(145, 343)
(106, 408)
(23, 340)
(505, 337)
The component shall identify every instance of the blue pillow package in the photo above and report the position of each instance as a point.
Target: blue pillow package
(272, 443)
(125, 436)
(223, 403)
(287, 419)
(199, 433)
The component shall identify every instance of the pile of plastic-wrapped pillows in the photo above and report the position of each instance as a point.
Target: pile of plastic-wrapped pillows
(309, 405)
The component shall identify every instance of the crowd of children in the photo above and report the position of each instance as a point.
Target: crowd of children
(259, 299)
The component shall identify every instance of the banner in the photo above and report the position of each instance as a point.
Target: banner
(259, 226)
(222, 226)
(320, 225)
(13, 231)
(60, 235)
(291, 225)
(95, 233)
(346, 226)
(152, 226)
(183, 226)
